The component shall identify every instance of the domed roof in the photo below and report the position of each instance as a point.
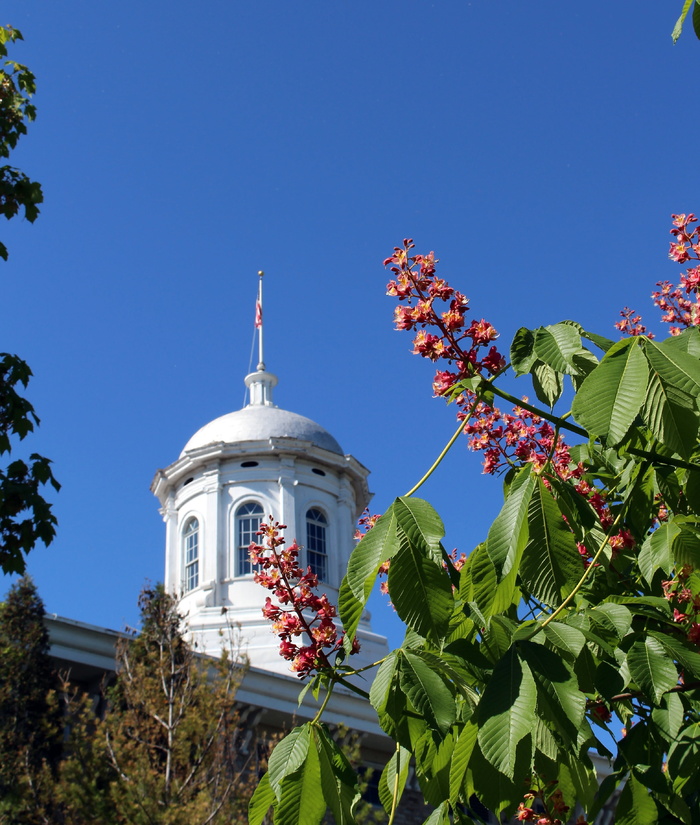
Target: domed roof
(259, 423)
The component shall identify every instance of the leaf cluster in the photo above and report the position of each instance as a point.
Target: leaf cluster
(17, 85)
(581, 603)
(25, 515)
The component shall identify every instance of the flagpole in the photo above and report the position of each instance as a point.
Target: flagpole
(259, 320)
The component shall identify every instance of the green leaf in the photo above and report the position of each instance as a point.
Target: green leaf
(565, 638)
(674, 367)
(657, 550)
(464, 747)
(671, 415)
(338, 779)
(559, 701)
(668, 717)
(440, 816)
(300, 802)
(611, 395)
(680, 651)
(580, 775)
(385, 684)
(350, 609)
(506, 711)
(556, 345)
(377, 546)
(508, 534)
(651, 668)
(683, 760)
(635, 807)
(420, 589)
(614, 617)
(495, 790)
(692, 490)
(450, 668)
(678, 28)
(601, 342)
(547, 383)
(421, 523)
(522, 354)
(551, 565)
(433, 766)
(689, 340)
(393, 779)
(261, 801)
(479, 585)
(288, 756)
(427, 692)
(686, 546)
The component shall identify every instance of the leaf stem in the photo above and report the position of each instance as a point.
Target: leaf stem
(366, 667)
(329, 691)
(560, 421)
(634, 694)
(341, 681)
(462, 424)
(395, 795)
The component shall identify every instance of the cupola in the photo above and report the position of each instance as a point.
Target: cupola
(235, 472)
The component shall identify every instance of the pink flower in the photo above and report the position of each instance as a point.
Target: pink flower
(308, 614)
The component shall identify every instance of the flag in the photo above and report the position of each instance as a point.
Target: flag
(258, 314)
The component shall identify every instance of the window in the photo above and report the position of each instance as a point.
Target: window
(190, 546)
(248, 519)
(316, 554)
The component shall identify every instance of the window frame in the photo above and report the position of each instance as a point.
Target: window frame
(317, 529)
(190, 538)
(242, 563)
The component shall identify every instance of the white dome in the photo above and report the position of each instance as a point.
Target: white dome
(259, 423)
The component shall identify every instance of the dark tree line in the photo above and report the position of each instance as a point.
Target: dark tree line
(164, 749)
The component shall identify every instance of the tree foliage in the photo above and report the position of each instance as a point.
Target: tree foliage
(163, 745)
(17, 85)
(577, 615)
(31, 731)
(168, 749)
(25, 515)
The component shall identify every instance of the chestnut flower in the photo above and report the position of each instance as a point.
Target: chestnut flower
(305, 624)
(680, 305)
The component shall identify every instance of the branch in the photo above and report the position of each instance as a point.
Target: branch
(635, 694)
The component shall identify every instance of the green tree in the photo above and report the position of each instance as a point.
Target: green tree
(17, 85)
(30, 720)
(25, 516)
(170, 733)
(582, 601)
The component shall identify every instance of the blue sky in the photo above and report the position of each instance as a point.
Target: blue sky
(538, 148)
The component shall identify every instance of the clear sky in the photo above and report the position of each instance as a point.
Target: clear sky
(538, 148)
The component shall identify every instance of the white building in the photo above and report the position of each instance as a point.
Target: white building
(237, 471)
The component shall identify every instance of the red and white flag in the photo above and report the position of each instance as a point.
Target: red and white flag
(258, 314)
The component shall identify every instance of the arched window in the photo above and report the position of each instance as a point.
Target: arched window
(248, 519)
(316, 552)
(190, 552)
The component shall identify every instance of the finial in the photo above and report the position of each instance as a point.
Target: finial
(260, 383)
(259, 323)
